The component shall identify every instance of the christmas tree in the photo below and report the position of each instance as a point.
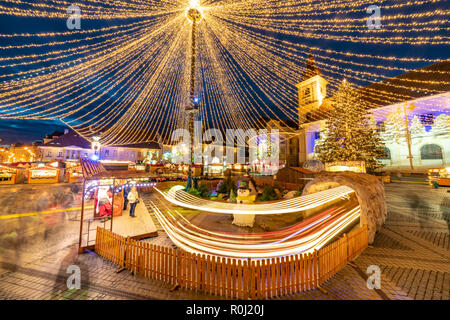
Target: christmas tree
(442, 125)
(416, 128)
(348, 135)
(395, 127)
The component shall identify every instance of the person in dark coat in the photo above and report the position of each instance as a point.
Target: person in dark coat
(126, 191)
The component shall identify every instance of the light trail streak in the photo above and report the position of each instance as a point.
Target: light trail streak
(200, 245)
(30, 214)
(303, 237)
(311, 201)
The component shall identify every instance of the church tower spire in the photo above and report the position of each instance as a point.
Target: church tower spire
(311, 91)
(311, 69)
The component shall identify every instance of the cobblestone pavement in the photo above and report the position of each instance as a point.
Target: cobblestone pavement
(412, 251)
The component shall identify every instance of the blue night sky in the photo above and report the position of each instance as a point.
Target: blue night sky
(27, 131)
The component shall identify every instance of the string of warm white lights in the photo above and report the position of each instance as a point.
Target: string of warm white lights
(129, 82)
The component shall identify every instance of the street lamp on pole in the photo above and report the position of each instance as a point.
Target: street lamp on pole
(194, 14)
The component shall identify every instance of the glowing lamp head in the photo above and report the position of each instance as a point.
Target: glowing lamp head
(94, 157)
(194, 11)
(194, 14)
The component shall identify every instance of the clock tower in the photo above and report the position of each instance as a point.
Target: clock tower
(311, 91)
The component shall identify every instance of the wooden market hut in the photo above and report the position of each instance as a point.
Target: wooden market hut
(295, 175)
(74, 174)
(95, 176)
(11, 175)
(42, 175)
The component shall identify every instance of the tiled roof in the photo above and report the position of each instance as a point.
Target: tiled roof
(74, 139)
(311, 70)
(67, 140)
(399, 88)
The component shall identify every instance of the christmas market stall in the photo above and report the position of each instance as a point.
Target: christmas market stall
(215, 170)
(105, 203)
(136, 167)
(439, 177)
(11, 175)
(44, 174)
(156, 168)
(74, 174)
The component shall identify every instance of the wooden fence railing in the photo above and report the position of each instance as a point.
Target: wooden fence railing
(232, 278)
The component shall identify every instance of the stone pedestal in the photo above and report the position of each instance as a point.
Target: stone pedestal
(244, 220)
(369, 191)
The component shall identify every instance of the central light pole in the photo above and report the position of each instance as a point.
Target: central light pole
(194, 15)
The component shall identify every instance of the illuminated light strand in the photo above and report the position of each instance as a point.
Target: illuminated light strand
(199, 243)
(179, 197)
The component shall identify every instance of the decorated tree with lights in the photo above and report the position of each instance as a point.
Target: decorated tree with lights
(442, 125)
(395, 128)
(348, 135)
(416, 128)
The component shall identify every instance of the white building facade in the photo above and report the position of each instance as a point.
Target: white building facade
(428, 119)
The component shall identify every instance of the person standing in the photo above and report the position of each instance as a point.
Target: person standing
(133, 199)
(126, 191)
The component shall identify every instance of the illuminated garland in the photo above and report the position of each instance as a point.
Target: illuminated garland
(129, 83)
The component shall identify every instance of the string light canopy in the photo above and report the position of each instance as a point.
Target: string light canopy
(126, 75)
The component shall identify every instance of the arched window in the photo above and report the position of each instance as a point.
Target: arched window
(307, 92)
(431, 152)
(387, 154)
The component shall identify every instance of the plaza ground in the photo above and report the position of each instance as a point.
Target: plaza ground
(412, 251)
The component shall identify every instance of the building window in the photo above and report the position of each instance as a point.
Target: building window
(107, 153)
(60, 154)
(387, 154)
(431, 152)
(317, 135)
(307, 94)
(49, 154)
(381, 127)
(427, 119)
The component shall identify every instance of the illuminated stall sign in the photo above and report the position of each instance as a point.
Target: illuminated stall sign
(215, 170)
(339, 166)
(136, 167)
(43, 175)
